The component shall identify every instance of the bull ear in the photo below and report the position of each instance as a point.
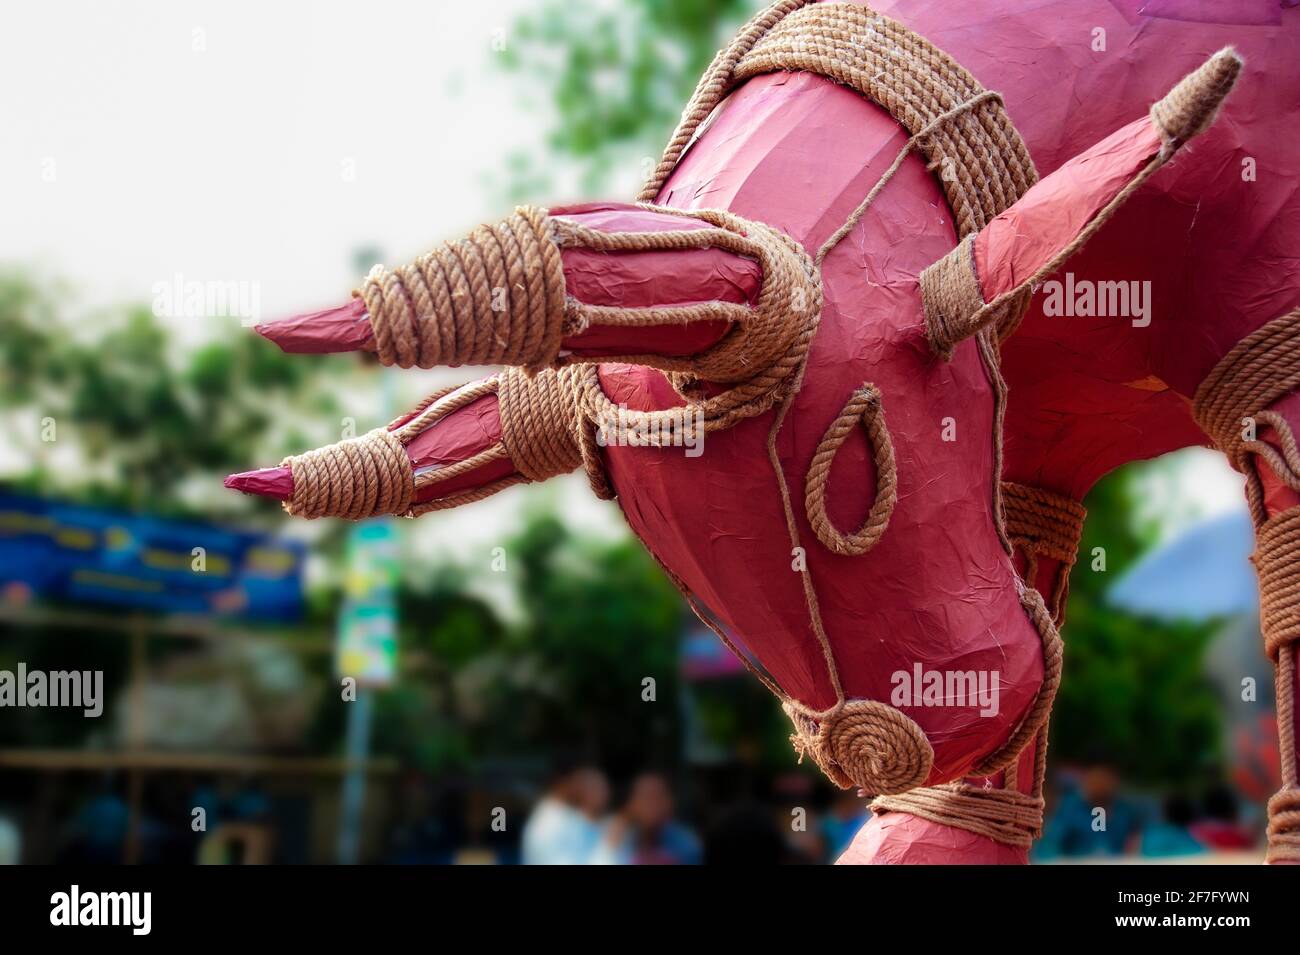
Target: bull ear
(987, 280)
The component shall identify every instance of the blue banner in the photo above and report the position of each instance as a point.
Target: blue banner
(74, 554)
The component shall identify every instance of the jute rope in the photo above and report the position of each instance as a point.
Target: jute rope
(760, 338)
(355, 478)
(1277, 561)
(863, 406)
(498, 297)
(1004, 815)
(964, 132)
(1260, 369)
(955, 308)
(1040, 523)
(983, 162)
(495, 297)
(544, 432)
(758, 356)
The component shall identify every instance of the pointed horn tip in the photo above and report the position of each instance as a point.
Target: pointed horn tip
(1191, 106)
(266, 482)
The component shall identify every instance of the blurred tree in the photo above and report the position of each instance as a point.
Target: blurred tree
(599, 619)
(1134, 691)
(617, 76)
(107, 408)
(602, 620)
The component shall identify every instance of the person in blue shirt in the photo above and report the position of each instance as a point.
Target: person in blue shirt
(644, 832)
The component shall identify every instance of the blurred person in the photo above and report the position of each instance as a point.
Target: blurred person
(564, 827)
(644, 832)
(1220, 829)
(98, 831)
(1171, 836)
(10, 842)
(1091, 817)
(847, 814)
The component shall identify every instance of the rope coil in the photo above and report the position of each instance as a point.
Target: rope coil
(865, 744)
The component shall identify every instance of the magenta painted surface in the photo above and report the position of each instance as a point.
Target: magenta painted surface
(800, 152)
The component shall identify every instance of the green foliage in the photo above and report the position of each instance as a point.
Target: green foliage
(617, 75)
(145, 418)
(598, 618)
(1134, 692)
(602, 618)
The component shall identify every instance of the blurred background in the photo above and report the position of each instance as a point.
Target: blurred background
(531, 687)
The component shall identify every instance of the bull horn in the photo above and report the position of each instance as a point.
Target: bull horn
(500, 296)
(988, 278)
(518, 429)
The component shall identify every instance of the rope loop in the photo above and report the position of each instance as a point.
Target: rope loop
(864, 407)
(760, 339)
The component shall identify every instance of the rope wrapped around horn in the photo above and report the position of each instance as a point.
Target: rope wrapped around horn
(544, 433)
(498, 296)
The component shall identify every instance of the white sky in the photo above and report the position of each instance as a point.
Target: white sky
(228, 162)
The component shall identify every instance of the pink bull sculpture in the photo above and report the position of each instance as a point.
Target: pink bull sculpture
(790, 362)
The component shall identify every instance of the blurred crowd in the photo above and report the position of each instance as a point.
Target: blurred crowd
(1090, 814)
(578, 817)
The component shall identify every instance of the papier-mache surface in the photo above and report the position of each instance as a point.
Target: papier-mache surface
(799, 153)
